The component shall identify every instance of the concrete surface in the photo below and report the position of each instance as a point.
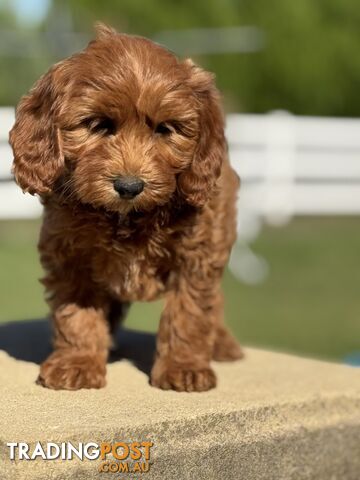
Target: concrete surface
(273, 416)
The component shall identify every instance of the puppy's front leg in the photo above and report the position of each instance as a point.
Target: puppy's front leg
(81, 349)
(186, 337)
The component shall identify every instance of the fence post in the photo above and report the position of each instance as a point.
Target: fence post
(279, 178)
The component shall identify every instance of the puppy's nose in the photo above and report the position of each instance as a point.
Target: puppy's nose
(128, 187)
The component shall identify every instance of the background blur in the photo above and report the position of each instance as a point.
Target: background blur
(299, 57)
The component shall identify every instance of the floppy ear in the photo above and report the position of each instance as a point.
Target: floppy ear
(35, 139)
(197, 183)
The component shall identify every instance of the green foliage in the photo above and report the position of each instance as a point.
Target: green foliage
(310, 63)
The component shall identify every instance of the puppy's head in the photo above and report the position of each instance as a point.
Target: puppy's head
(122, 125)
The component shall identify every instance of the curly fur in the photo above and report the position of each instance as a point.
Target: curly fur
(127, 106)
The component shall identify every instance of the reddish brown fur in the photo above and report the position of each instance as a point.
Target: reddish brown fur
(100, 251)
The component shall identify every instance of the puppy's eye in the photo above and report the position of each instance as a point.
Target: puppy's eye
(164, 128)
(104, 125)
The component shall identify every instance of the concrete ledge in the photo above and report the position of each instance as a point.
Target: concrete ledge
(273, 416)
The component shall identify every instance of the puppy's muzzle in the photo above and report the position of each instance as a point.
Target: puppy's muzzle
(128, 187)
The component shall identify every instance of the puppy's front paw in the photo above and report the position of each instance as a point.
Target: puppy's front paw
(67, 370)
(182, 378)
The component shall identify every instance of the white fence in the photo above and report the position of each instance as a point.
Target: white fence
(288, 165)
(13, 203)
(294, 166)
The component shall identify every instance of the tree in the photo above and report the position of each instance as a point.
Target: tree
(310, 63)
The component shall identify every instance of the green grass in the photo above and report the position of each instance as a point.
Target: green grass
(309, 304)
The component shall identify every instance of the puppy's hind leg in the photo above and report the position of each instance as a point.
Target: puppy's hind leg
(117, 314)
(226, 347)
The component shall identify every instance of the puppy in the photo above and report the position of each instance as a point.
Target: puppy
(125, 146)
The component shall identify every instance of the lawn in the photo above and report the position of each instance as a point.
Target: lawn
(309, 304)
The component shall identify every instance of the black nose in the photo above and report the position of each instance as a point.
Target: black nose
(128, 187)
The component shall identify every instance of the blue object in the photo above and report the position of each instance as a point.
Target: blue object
(353, 359)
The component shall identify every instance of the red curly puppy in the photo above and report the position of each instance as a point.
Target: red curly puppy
(125, 146)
